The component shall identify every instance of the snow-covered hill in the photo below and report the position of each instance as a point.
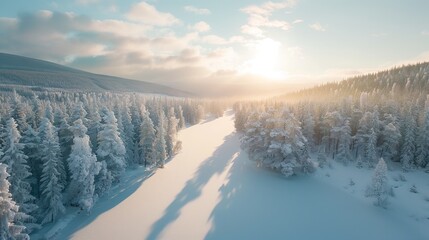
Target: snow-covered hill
(22, 71)
(212, 191)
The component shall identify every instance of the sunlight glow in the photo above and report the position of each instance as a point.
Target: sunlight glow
(265, 60)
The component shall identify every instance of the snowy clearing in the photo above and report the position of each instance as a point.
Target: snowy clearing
(211, 191)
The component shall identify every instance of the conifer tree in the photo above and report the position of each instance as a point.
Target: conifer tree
(50, 182)
(171, 134)
(111, 149)
(379, 187)
(8, 210)
(181, 124)
(19, 172)
(83, 167)
(147, 140)
(160, 144)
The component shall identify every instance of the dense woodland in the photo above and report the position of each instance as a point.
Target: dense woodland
(355, 122)
(62, 149)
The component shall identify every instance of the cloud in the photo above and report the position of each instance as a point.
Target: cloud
(297, 21)
(205, 64)
(148, 14)
(86, 2)
(259, 17)
(201, 27)
(199, 11)
(251, 30)
(425, 33)
(267, 8)
(214, 40)
(317, 27)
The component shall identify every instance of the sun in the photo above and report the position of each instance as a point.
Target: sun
(265, 60)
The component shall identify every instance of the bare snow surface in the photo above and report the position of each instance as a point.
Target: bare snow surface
(211, 191)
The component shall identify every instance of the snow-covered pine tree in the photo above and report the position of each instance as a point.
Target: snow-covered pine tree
(49, 112)
(160, 152)
(111, 149)
(31, 142)
(128, 136)
(94, 126)
(181, 124)
(14, 157)
(287, 150)
(135, 111)
(9, 230)
(103, 180)
(147, 140)
(371, 149)
(65, 138)
(240, 118)
(344, 142)
(390, 141)
(308, 125)
(19, 113)
(379, 187)
(171, 134)
(253, 140)
(79, 112)
(50, 183)
(422, 151)
(83, 167)
(408, 141)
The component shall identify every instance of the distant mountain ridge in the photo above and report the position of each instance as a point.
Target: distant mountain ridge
(410, 81)
(30, 72)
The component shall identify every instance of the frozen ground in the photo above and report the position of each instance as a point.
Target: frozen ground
(211, 191)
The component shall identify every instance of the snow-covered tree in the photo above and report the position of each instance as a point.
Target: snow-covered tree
(103, 180)
(344, 142)
(408, 142)
(111, 149)
(31, 141)
(128, 136)
(371, 151)
(283, 143)
(79, 112)
(83, 167)
(171, 134)
(308, 125)
(50, 182)
(160, 152)
(422, 148)
(253, 139)
(9, 230)
(147, 140)
(390, 138)
(181, 124)
(19, 172)
(379, 187)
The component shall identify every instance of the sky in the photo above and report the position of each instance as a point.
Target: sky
(222, 47)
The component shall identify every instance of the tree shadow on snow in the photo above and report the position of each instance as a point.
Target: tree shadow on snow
(259, 204)
(128, 185)
(215, 164)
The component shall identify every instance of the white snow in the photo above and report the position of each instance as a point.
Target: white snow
(210, 190)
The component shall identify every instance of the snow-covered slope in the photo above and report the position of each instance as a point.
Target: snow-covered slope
(26, 72)
(211, 191)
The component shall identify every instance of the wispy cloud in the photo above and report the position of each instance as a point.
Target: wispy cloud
(199, 11)
(259, 17)
(86, 2)
(148, 14)
(425, 33)
(201, 27)
(317, 27)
